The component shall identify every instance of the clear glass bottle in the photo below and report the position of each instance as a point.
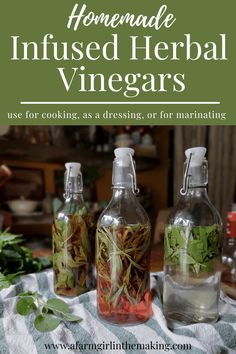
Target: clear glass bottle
(72, 237)
(123, 249)
(192, 269)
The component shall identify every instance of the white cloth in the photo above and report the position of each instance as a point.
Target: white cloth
(19, 336)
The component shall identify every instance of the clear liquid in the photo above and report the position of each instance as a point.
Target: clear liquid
(192, 300)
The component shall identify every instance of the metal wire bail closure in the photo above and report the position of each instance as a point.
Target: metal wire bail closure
(184, 189)
(67, 187)
(135, 189)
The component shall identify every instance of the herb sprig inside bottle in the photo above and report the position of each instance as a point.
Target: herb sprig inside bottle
(193, 233)
(72, 236)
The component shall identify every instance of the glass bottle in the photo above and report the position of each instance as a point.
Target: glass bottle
(72, 237)
(192, 269)
(123, 249)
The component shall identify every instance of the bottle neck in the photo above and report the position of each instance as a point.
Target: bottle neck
(121, 192)
(73, 186)
(197, 192)
(124, 175)
(74, 197)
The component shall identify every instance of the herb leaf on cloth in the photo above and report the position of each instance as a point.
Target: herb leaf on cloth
(49, 314)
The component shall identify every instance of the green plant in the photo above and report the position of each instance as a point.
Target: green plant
(194, 246)
(122, 261)
(16, 259)
(72, 254)
(49, 314)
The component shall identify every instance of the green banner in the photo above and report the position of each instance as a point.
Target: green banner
(127, 62)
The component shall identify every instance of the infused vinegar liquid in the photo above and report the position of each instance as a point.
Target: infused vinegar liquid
(192, 273)
(123, 283)
(196, 301)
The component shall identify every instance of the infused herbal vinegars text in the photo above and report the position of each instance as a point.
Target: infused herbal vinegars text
(192, 268)
(123, 249)
(72, 234)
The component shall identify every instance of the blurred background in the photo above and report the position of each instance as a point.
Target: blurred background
(32, 169)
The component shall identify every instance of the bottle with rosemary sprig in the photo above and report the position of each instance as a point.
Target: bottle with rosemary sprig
(123, 249)
(72, 233)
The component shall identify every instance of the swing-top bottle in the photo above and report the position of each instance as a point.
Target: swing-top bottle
(192, 241)
(123, 249)
(72, 233)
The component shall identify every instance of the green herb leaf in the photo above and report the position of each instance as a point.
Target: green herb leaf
(116, 296)
(46, 323)
(83, 211)
(7, 280)
(129, 297)
(25, 306)
(168, 249)
(194, 247)
(7, 239)
(28, 293)
(127, 275)
(72, 253)
(116, 267)
(51, 313)
(122, 260)
(16, 259)
(186, 259)
(11, 254)
(57, 305)
(4, 282)
(142, 286)
(71, 318)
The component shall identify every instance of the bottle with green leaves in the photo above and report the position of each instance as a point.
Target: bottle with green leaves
(192, 269)
(123, 249)
(72, 234)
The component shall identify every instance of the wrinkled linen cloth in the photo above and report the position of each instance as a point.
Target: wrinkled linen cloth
(92, 335)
